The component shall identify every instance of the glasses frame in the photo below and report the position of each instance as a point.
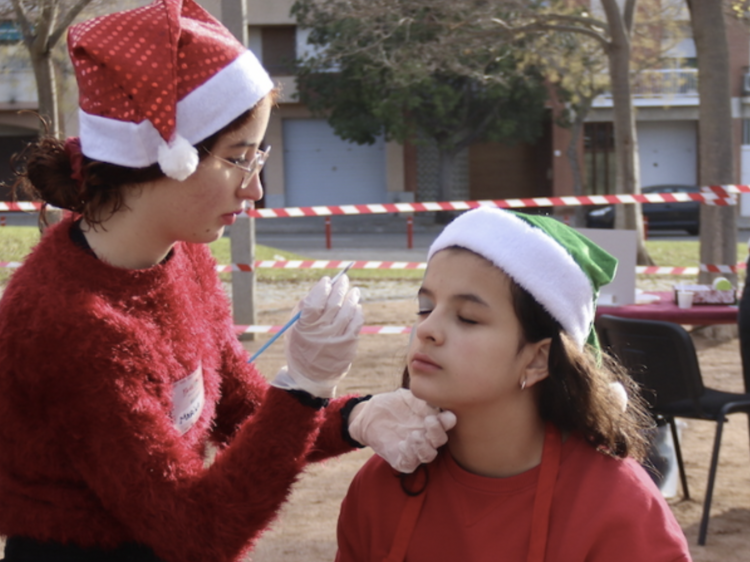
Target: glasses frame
(255, 166)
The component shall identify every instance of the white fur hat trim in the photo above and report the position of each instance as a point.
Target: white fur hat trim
(233, 90)
(532, 258)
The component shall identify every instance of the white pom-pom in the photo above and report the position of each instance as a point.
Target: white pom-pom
(178, 159)
(620, 395)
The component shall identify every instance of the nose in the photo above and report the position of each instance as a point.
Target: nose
(253, 190)
(428, 329)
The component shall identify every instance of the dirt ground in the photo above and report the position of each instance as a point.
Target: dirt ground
(305, 530)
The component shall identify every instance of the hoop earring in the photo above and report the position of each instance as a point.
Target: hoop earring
(523, 385)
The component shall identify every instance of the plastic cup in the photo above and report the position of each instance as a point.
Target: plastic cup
(685, 299)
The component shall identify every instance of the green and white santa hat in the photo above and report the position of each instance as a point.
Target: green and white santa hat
(562, 269)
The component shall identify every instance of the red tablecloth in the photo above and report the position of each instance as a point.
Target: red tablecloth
(667, 310)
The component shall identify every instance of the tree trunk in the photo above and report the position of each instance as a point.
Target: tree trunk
(627, 177)
(446, 167)
(46, 87)
(576, 128)
(718, 236)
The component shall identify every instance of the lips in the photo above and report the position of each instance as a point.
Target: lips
(229, 218)
(422, 362)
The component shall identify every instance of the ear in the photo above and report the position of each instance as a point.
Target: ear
(537, 366)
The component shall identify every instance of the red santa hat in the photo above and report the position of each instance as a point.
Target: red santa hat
(156, 80)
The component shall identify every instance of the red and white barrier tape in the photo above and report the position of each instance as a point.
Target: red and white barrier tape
(259, 329)
(320, 264)
(713, 194)
(721, 268)
(21, 206)
(717, 195)
(725, 194)
(337, 264)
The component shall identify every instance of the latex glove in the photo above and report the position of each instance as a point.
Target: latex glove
(401, 428)
(320, 346)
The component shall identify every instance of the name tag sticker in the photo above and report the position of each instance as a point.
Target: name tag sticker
(188, 398)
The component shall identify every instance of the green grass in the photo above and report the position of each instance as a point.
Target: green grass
(15, 244)
(667, 253)
(17, 241)
(221, 252)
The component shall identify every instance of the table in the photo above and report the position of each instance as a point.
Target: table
(666, 309)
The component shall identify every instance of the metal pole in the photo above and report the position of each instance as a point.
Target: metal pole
(234, 18)
(242, 238)
(242, 235)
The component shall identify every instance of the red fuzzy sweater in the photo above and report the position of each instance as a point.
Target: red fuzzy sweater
(90, 455)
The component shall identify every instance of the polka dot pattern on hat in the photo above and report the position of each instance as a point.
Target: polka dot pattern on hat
(137, 64)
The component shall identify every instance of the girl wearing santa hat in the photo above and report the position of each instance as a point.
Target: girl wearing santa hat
(118, 359)
(541, 463)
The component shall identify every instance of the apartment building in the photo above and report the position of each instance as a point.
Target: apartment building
(318, 168)
(312, 166)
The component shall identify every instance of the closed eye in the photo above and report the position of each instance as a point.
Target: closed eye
(424, 312)
(467, 320)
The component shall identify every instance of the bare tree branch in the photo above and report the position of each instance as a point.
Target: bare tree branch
(628, 14)
(67, 19)
(23, 21)
(540, 26)
(43, 26)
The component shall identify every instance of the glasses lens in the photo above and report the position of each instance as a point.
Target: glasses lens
(254, 168)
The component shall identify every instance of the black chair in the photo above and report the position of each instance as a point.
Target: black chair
(662, 358)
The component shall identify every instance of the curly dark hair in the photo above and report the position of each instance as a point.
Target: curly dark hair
(43, 172)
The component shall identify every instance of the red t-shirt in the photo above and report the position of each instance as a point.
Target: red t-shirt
(603, 509)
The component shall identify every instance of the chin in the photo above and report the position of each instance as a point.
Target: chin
(210, 236)
(425, 391)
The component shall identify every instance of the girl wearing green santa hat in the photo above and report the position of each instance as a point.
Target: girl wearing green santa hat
(542, 462)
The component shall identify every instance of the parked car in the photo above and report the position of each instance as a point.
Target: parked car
(660, 216)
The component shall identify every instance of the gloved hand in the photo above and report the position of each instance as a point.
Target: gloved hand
(401, 428)
(320, 346)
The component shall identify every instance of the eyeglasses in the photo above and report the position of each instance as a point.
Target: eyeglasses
(254, 167)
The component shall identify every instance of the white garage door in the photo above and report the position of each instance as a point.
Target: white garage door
(667, 151)
(322, 169)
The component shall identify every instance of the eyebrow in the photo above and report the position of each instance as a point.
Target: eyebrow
(244, 144)
(469, 297)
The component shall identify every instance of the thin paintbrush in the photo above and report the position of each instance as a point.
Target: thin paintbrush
(286, 326)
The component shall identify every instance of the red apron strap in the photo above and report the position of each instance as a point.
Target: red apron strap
(545, 489)
(406, 524)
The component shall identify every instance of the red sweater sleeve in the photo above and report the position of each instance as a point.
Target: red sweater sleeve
(238, 402)
(91, 455)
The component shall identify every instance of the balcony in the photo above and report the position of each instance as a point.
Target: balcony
(666, 83)
(664, 87)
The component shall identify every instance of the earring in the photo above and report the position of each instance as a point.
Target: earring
(523, 384)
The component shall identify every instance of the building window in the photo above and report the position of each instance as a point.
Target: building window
(599, 158)
(279, 49)
(746, 131)
(9, 33)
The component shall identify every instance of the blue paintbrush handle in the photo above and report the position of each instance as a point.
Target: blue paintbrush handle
(294, 318)
(276, 336)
